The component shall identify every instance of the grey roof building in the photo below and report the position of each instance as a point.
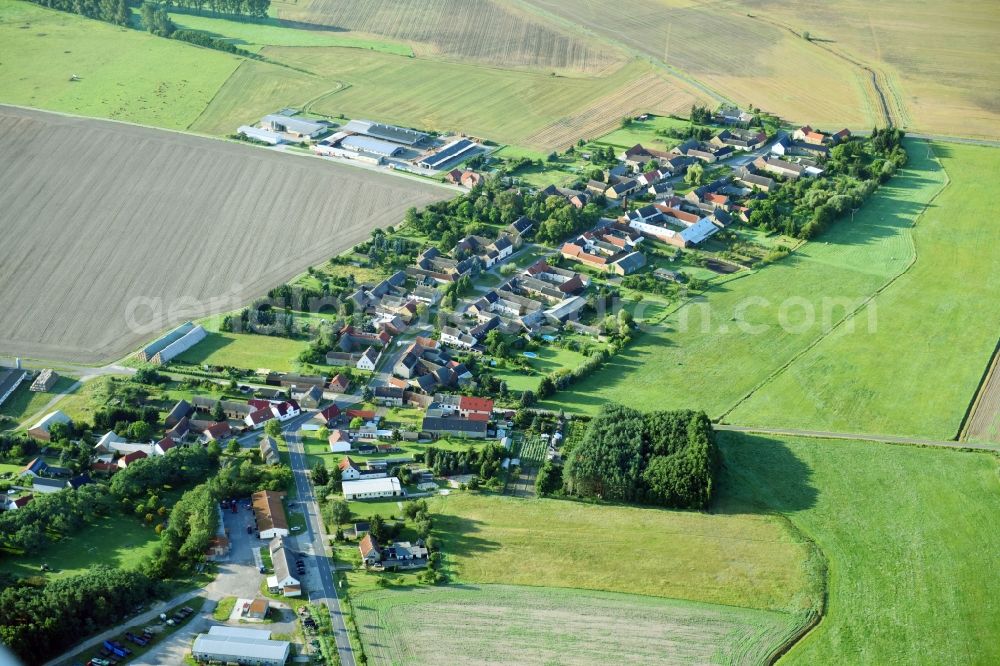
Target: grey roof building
(242, 646)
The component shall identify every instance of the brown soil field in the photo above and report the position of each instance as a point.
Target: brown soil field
(483, 31)
(984, 422)
(113, 232)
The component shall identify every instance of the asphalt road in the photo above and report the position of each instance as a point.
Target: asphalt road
(888, 439)
(315, 539)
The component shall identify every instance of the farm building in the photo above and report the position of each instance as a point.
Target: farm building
(177, 341)
(370, 146)
(372, 488)
(269, 514)
(46, 486)
(262, 135)
(455, 150)
(454, 426)
(9, 381)
(41, 429)
(257, 609)
(297, 127)
(400, 135)
(251, 647)
(45, 380)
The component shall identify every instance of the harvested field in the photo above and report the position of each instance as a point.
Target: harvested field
(113, 232)
(756, 62)
(646, 94)
(984, 422)
(484, 31)
(536, 626)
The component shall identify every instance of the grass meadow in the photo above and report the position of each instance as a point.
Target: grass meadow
(907, 534)
(245, 350)
(24, 403)
(917, 372)
(417, 626)
(149, 80)
(752, 561)
(715, 350)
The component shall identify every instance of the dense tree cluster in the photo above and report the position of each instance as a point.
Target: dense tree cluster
(805, 207)
(112, 11)
(180, 466)
(663, 458)
(40, 622)
(251, 8)
(485, 462)
(51, 516)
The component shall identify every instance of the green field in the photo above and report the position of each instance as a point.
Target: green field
(148, 80)
(905, 531)
(118, 540)
(252, 35)
(917, 372)
(717, 349)
(752, 561)
(549, 359)
(25, 403)
(541, 626)
(243, 350)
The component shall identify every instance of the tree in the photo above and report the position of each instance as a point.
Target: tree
(273, 428)
(233, 448)
(695, 175)
(320, 475)
(337, 512)
(323, 433)
(217, 413)
(377, 528)
(356, 423)
(140, 431)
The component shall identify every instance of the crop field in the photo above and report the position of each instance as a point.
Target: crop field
(904, 531)
(417, 626)
(935, 328)
(72, 186)
(984, 422)
(451, 96)
(487, 32)
(935, 58)
(717, 44)
(713, 351)
(752, 561)
(153, 81)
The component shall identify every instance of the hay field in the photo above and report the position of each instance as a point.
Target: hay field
(943, 58)
(918, 371)
(714, 351)
(984, 421)
(148, 80)
(746, 560)
(488, 32)
(508, 106)
(542, 626)
(746, 60)
(908, 533)
(112, 231)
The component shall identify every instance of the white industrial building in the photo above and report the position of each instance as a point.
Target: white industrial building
(249, 647)
(372, 488)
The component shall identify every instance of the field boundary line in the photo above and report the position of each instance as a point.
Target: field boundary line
(861, 306)
(900, 440)
(992, 368)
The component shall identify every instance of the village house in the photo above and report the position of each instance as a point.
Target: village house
(520, 227)
(349, 471)
(281, 558)
(745, 140)
(464, 177)
(328, 416)
(339, 441)
(389, 396)
(46, 486)
(269, 514)
(130, 458)
(779, 167)
(41, 429)
(398, 556)
(269, 450)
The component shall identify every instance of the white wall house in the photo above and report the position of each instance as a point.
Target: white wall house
(372, 488)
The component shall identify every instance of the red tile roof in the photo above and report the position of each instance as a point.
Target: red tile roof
(366, 414)
(471, 404)
(130, 458)
(261, 415)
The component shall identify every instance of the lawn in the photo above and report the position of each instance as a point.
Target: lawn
(904, 531)
(118, 540)
(936, 328)
(753, 561)
(720, 347)
(550, 358)
(645, 132)
(24, 403)
(150, 80)
(244, 350)
(536, 626)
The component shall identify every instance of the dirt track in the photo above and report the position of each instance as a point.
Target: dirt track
(100, 220)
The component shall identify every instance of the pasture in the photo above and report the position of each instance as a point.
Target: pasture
(180, 249)
(753, 561)
(451, 96)
(716, 349)
(935, 330)
(244, 350)
(486, 32)
(151, 80)
(540, 626)
(904, 531)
